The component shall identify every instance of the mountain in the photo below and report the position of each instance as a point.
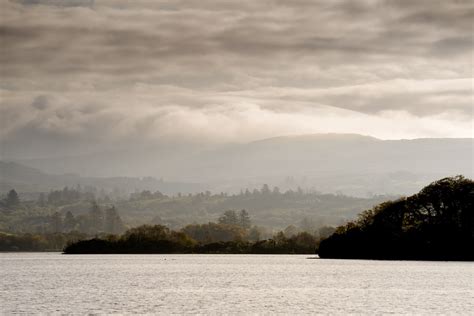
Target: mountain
(347, 163)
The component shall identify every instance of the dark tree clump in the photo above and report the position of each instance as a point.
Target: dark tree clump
(12, 199)
(435, 224)
(207, 238)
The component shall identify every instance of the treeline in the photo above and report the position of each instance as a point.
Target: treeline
(231, 226)
(233, 233)
(270, 207)
(160, 239)
(65, 196)
(435, 224)
(264, 191)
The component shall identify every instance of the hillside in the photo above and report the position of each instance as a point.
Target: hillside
(270, 209)
(346, 163)
(30, 181)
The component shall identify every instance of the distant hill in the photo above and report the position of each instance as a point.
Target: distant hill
(29, 180)
(25, 179)
(347, 163)
(346, 154)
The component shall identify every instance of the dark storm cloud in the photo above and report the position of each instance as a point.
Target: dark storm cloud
(137, 39)
(198, 63)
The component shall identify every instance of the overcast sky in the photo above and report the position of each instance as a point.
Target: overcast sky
(82, 75)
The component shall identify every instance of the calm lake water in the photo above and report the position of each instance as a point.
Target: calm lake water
(55, 283)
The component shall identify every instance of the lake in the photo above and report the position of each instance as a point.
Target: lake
(55, 283)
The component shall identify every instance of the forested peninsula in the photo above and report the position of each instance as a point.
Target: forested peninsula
(435, 224)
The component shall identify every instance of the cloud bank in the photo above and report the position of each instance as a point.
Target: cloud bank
(86, 75)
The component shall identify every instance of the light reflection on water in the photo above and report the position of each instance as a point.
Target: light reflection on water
(55, 283)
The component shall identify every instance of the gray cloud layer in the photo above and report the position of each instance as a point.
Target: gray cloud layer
(77, 75)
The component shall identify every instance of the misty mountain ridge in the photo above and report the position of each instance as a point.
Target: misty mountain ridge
(347, 163)
(31, 180)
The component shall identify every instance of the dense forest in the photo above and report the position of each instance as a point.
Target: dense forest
(91, 211)
(233, 232)
(47, 215)
(435, 224)
(270, 207)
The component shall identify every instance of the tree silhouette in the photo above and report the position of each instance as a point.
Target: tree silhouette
(244, 219)
(69, 222)
(229, 217)
(96, 218)
(112, 222)
(12, 198)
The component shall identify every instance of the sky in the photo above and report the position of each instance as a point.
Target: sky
(84, 76)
